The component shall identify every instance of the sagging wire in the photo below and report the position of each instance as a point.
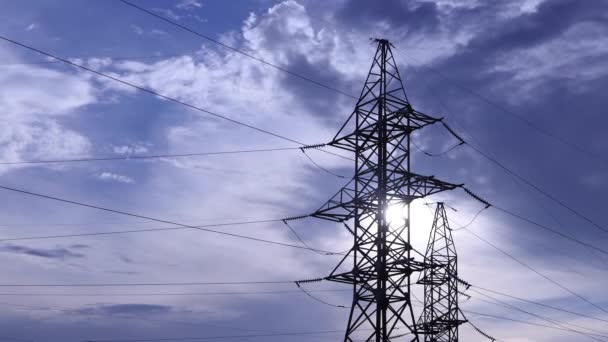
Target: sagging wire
(438, 154)
(481, 332)
(303, 149)
(316, 280)
(468, 297)
(321, 252)
(460, 142)
(470, 222)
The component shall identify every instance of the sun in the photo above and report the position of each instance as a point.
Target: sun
(422, 219)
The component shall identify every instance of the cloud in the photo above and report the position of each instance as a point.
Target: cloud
(130, 149)
(39, 138)
(168, 13)
(130, 309)
(47, 253)
(33, 110)
(137, 29)
(31, 27)
(110, 176)
(188, 4)
(411, 16)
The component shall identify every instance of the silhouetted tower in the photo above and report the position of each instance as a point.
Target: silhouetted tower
(381, 261)
(439, 320)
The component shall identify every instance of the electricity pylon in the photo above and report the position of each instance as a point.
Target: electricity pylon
(380, 263)
(439, 320)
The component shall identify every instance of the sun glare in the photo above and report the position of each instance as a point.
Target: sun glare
(422, 219)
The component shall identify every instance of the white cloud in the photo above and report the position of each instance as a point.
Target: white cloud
(33, 106)
(130, 149)
(188, 4)
(576, 55)
(168, 13)
(31, 26)
(110, 176)
(137, 29)
(33, 92)
(160, 33)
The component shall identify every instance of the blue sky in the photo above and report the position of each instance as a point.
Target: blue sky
(544, 61)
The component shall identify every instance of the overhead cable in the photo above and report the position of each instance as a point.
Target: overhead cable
(149, 218)
(319, 166)
(541, 304)
(481, 332)
(171, 99)
(562, 324)
(520, 117)
(234, 49)
(138, 157)
(553, 281)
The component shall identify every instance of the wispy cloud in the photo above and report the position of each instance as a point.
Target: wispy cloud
(130, 309)
(189, 4)
(110, 176)
(47, 253)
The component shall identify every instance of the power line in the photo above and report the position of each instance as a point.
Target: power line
(545, 227)
(511, 113)
(119, 58)
(319, 166)
(514, 320)
(149, 91)
(306, 292)
(563, 324)
(506, 319)
(560, 285)
(541, 304)
(234, 49)
(284, 244)
(151, 156)
(120, 212)
(516, 177)
(155, 284)
(219, 337)
(185, 294)
(518, 298)
(295, 233)
(528, 182)
(470, 221)
(529, 267)
(481, 332)
(537, 188)
(437, 154)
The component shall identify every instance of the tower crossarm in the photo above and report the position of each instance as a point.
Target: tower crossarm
(420, 186)
(342, 206)
(402, 121)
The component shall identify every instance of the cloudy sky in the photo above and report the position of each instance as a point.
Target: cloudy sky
(524, 81)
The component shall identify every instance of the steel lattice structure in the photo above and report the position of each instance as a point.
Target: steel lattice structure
(439, 320)
(379, 132)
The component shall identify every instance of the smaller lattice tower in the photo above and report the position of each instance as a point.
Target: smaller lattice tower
(439, 320)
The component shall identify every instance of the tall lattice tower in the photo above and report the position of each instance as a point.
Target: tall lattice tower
(439, 320)
(381, 261)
